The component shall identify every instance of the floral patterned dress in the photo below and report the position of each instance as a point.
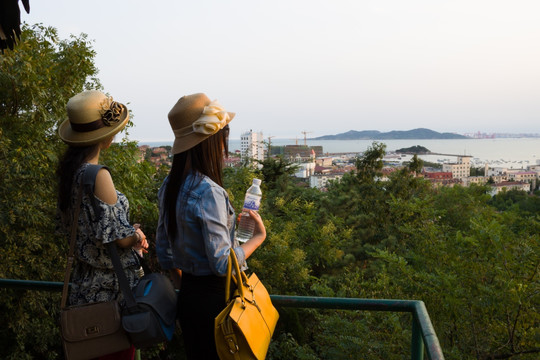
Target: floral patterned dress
(93, 278)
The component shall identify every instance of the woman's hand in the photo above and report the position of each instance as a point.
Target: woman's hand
(176, 277)
(141, 244)
(259, 234)
(259, 229)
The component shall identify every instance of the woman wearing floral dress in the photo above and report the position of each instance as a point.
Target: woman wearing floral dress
(93, 120)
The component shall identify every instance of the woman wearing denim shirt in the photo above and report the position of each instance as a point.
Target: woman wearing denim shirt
(196, 220)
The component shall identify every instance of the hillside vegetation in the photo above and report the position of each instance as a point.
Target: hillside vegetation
(416, 149)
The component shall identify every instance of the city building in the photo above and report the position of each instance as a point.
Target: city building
(509, 185)
(440, 178)
(439, 175)
(525, 176)
(461, 169)
(305, 170)
(232, 161)
(320, 181)
(535, 167)
(300, 153)
(252, 146)
(324, 161)
(496, 170)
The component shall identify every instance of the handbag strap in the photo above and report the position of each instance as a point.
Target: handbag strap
(121, 275)
(238, 277)
(228, 279)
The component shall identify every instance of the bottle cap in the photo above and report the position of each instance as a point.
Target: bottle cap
(257, 182)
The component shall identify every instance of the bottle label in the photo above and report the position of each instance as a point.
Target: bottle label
(252, 202)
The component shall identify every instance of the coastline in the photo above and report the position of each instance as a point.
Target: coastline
(508, 152)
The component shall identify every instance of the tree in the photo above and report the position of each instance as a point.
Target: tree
(36, 81)
(416, 165)
(525, 203)
(478, 171)
(370, 163)
(277, 172)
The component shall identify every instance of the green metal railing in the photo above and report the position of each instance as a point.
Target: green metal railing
(423, 337)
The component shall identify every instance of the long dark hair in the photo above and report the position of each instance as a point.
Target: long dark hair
(205, 158)
(70, 162)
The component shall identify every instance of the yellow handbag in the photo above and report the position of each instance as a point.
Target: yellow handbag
(244, 328)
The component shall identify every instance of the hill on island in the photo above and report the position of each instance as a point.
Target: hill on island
(391, 135)
(417, 149)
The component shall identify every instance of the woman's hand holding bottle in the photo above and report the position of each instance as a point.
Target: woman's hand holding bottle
(259, 234)
(260, 229)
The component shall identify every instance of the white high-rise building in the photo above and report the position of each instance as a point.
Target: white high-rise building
(252, 145)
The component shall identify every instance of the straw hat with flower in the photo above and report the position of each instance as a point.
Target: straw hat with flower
(92, 118)
(195, 118)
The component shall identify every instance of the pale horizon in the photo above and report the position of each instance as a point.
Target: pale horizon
(287, 67)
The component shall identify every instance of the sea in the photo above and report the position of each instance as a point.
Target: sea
(512, 153)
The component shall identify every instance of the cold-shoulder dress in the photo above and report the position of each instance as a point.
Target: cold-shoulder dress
(93, 278)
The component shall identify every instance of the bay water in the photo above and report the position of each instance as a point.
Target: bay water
(514, 153)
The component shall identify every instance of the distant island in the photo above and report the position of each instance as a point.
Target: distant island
(391, 135)
(417, 149)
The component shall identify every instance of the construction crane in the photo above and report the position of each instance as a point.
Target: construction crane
(305, 138)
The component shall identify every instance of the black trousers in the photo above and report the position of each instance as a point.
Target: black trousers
(201, 299)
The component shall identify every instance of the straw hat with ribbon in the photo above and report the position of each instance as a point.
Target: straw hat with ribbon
(92, 118)
(195, 118)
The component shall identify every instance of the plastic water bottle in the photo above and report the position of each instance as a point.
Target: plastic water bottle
(244, 232)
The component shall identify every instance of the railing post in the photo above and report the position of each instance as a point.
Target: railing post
(417, 343)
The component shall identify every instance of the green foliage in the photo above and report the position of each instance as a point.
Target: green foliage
(416, 149)
(459, 205)
(276, 172)
(36, 80)
(433, 165)
(366, 335)
(527, 205)
(370, 163)
(140, 182)
(416, 164)
(237, 181)
(286, 347)
(478, 171)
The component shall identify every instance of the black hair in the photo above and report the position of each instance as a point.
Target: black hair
(205, 158)
(69, 163)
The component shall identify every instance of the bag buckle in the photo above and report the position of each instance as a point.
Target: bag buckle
(233, 347)
(255, 304)
(92, 330)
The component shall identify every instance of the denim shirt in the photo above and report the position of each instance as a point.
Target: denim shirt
(205, 229)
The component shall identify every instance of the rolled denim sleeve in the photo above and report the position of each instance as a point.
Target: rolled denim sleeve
(213, 208)
(241, 256)
(163, 246)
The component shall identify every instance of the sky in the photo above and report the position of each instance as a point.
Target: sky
(291, 68)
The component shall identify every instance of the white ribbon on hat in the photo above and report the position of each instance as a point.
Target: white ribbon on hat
(214, 118)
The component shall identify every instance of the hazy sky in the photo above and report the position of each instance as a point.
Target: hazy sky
(325, 67)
